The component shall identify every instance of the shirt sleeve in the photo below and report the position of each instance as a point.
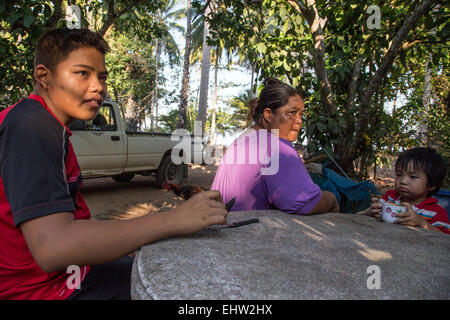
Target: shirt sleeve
(32, 169)
(291, 188)
(440, 220)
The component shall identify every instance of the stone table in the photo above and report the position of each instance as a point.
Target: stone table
(327, 256)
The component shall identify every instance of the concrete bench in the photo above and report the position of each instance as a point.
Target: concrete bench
(326, 256)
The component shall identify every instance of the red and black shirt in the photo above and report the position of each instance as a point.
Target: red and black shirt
(39, 176)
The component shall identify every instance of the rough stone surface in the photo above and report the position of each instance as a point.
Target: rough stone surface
(283, 256)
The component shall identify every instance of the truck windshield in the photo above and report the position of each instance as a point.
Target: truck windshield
(104, 121)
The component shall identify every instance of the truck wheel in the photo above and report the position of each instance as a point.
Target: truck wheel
(123, 177)
(168, 171)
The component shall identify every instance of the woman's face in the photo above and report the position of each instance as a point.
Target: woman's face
(287, 119)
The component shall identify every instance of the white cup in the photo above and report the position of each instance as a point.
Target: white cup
(389, 210)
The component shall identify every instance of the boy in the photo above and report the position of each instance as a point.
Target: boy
(45, 224)
(419, 174)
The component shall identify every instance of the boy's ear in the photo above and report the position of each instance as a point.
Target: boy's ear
(41, 74)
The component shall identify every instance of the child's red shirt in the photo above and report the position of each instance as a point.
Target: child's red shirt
(428, 209)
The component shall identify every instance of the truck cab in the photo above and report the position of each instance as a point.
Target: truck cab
(104, 148)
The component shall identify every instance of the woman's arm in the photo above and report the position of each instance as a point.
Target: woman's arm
(327, 203)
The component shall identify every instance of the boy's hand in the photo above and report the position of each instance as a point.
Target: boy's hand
(409, 217)
(200, 211)
(375, 208)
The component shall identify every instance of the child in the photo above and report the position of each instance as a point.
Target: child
(45, 225)
(419, 174)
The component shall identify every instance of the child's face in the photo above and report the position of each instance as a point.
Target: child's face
(77, 85)
(412, 184)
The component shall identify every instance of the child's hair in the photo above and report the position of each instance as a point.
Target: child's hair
(426, 159)
(275, 94)
(56, 44)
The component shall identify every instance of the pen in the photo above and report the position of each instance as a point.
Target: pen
(240, 223)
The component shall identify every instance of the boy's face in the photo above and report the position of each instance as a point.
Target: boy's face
(412, 184)
(76, 87)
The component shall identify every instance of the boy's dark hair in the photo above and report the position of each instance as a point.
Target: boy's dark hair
(275, 94)
(56, 44)
(426, 159)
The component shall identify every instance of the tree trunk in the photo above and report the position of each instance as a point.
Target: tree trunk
(423, 129)
(154, 105)
(252, 80)
(348, 131)
(132, 113)
(111, 15)
(316, 25)
(184, 97)
(212, 135)
(204, 80)
(385, 65)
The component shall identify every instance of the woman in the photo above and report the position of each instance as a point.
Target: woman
(262, 169)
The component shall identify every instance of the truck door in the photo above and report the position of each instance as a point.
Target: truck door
(99, 144)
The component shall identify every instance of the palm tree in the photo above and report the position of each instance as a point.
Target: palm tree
(166, 16)
(202, 52)
(182, 118)
(204, 79)
(239, 105)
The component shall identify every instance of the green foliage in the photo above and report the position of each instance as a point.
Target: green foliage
(168, 122)
(239, 106)
(131, 68)
(276, 38)
(21, 24)
(130, 33)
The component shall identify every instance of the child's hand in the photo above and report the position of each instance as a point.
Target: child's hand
(375, 208)
(200, 211)
(409, 217)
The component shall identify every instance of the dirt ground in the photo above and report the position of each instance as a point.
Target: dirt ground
(108, 199)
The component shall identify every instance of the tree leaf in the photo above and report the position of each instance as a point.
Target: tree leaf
(261, 48)
(286, 26)
(283, 12)
(27, 21)
(341, 73)
(12, 19)
(286, 66)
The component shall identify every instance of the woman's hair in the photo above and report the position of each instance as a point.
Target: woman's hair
(56, 44)
(275, 94)
(426, 159)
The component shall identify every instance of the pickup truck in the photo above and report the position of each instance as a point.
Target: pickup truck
(105, 149)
